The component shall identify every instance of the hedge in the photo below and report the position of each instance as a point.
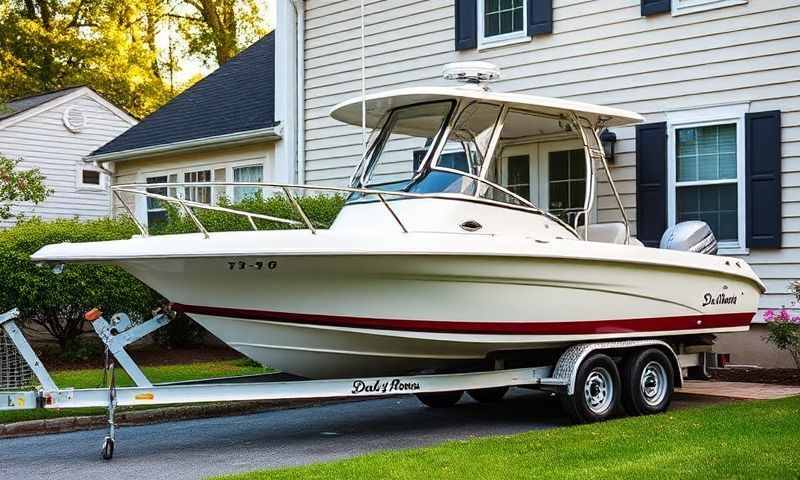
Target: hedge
(57, 302)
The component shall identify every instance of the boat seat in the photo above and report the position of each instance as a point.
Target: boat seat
(606, 232)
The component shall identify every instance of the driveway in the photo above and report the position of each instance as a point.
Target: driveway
(200, 448)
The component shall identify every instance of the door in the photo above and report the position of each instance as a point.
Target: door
(552, 175)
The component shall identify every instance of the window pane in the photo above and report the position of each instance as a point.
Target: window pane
(716, 205)
(559, 195)
(502, 16)
(577, 192)
(577, 164)
(559, 165)
(492, 6)
(519, 175)
(198, 194)
(506, 21)
(517, 20)
(706, 153)
(152, 203)
(491, 25)
(253, 173)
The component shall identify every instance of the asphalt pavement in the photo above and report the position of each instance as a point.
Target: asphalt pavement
(201, 448)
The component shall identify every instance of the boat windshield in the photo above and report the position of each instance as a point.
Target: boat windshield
(404, 144)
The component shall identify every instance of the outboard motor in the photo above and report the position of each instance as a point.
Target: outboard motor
(693, 236)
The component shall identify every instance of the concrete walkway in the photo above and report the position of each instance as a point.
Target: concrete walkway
(738, 390)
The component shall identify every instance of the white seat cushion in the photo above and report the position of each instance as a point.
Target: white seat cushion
(605, 232)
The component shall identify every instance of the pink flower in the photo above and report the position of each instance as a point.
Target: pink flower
(769, 315)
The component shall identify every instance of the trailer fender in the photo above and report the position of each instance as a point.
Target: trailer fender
(566, 369)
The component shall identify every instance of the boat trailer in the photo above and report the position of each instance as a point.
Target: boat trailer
(119, 332)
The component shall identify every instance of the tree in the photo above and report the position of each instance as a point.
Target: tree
(218, 29)
(19, 186)
(110, 46)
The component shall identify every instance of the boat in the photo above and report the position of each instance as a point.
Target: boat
(449, 255)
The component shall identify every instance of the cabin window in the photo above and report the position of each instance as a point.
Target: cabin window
(467, 145)
(248, 173)
(681, 7)
(198, 194)
(706, 172)
(405, 142)
(500, 21)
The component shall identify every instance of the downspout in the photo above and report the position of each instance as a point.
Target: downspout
(300, 168)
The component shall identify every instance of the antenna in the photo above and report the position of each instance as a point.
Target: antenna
(363, 83)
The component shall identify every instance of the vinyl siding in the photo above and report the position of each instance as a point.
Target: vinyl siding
(605, 54)
(42, 141)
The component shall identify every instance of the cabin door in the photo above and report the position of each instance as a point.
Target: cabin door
(552, 175)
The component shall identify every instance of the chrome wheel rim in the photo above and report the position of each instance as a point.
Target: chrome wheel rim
(653, 383)
(598, 390)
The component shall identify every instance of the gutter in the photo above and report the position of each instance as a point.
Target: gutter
(231, 139)
(299, 8)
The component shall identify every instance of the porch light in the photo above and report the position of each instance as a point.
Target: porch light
(608, 139)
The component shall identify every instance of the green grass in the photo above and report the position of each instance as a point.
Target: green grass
(92, 378)
(734, 441)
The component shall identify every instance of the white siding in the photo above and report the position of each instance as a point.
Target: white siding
(42, 141)
(600, 52)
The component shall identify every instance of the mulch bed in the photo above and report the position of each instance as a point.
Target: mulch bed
(146, 356)
(778, 376)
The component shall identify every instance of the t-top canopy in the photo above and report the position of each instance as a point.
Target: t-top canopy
(379, 103)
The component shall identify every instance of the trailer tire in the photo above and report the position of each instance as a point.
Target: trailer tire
(597, 390)
(488, 395)
(648, 380)
(440, 399)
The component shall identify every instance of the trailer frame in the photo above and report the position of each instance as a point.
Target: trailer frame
(119, 332)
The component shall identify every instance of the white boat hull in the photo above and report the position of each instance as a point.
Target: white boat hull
(325, 316)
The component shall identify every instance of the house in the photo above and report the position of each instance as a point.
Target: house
(717, 81)
(53, 132)
(223, 128)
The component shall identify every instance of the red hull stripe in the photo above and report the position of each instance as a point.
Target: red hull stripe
(658, 324)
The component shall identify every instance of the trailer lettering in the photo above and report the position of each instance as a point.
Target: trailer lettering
(383, 386)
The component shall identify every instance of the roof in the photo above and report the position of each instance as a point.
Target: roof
(379, 103)
(21, 104)
(237, 97)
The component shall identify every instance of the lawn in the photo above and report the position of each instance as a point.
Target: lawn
(91, 378)
(733, 441)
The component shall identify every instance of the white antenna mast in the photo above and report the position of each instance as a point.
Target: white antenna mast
(363, 83)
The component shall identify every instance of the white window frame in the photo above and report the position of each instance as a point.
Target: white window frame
(683, 7)
(205, 168)
(722, 115)
(229, 167)
(506, 38)
(79, 185)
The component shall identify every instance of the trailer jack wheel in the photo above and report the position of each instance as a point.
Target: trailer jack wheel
(108, 449)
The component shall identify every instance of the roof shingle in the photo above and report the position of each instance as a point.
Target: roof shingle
(237, 97)
(22, 104)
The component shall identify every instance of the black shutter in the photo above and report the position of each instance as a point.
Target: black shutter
(651, 182)
(466, 24)
(763, 167)
(540, 17)
(652, 7)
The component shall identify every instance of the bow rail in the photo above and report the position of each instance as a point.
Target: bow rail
(143, 189)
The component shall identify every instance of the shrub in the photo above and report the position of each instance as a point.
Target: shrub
(57, 302)
(783, 328)
(320, 209)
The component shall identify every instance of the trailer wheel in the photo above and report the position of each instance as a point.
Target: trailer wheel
(597, 390)
(108, 449)
(648, 381)
(488, 395)
(440, 399)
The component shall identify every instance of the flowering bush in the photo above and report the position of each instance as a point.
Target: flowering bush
(783, 328)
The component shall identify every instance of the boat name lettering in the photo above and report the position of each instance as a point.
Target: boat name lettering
(384, 386)
(260, 265)
(721, 299)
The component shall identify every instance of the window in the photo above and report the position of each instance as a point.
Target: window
(408, 131)
(566, 182)
(90, 177)
(519, 175)
(706, 183)
(155, 208)
(681, 7)
(198, 194)
(501, 21)
(249, 173)
(706, 172)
